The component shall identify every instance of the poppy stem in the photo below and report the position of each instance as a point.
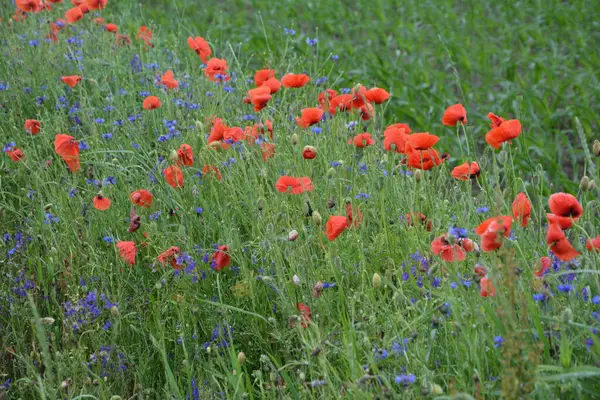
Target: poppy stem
(462, 153)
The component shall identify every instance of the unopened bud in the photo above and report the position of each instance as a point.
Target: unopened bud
(173, 156)
(317, 218)
(296, 280)
(419, 174)
(330, 173)
(309, 152)
(295, 139)
(317, 290)
(567, 315)
(199, 124)
(47, 321)
(376, 280)
(241, 357)
(596, 148)
(584, 184)
(436, 389)
(293, 235)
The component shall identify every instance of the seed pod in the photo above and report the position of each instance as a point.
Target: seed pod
(295, 139)
(419, 175)
(596, 148)
(584, 184)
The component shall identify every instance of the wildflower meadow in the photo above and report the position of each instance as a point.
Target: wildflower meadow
(254, 199)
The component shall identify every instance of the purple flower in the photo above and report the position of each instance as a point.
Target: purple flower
(405, 379)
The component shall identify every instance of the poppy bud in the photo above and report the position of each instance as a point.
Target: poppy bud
(48, 207)
(584, 184)
(260, 204)
(64, 385)
(293, 235)
(295, 280)
(302, 376)
(376, 280)
(47, 321)
(596, 148)
(317, 218)
(317, 290)
(114, 311)
(295, 139)
(241, 357)
(173, 156)
(199, 125)
(502, 157)
(436, 389)
(330, 173)
(418, 174)
(309, 152)
(567, 315)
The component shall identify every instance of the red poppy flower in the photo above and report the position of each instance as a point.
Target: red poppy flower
(395, 139)
(359, 96)
(122, 40)
(32, 126)
(559, 245)
(454, 114)
(309, 116)
(377, 95)
(112, 28)
(216, 70)
(593, 244)
(496, 120)
(305, 318)
(566, 208)
(15, 154)
(142, 198)
(217, 131)
(233, 134)
(397, 127)
(221, 258)
(335, 226)
(413, 217)
(449, 252)
(200, 46)
(29, 5)
(273, 84)
(73, 15)
(170, 256)
(174, 176)
(185, 154)
(521, 208)
(168, 79)
(325, 97)
(362, 140)
(465, 171)
(366, 111)
(84, 8)
(68, 149)
(505, 132)
(211, 168)
(127, 251)
(259, 97)
(134, 222)
(101, 203)
(309, 153)
(492, 232)
(545, 264)
(151, 103)
(354, 215)
(286, 184)
(263, 75)
(294, 80)
(71, 80)
(342, 102)
(268, 150)
(424, 160)
(486, 288)
(422, 141)
(96, 4)
(145, 34)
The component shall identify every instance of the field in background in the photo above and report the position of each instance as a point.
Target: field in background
(376, 312)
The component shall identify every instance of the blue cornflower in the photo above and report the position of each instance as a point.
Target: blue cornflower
(405, 379)
(596, 299)
(108, 239)
(335, 57)
(107, 325)
(539, 297)
(100, 120)
(351, 124)
(290, 32)
(228, 89)
(322, 80)
(83, 145)
(482, 210)
(498, 341)
(107, 135)
(109, 180)
(199, 210)
(144, 94)
(312, 42)
(209, 94)
(316, 130)
(34, 43)
(565, 287)
(135, 145)
(50, 219)
(458, 232)
(155, 216)
(362, 196)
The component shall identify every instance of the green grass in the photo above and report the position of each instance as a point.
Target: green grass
(172, 335)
